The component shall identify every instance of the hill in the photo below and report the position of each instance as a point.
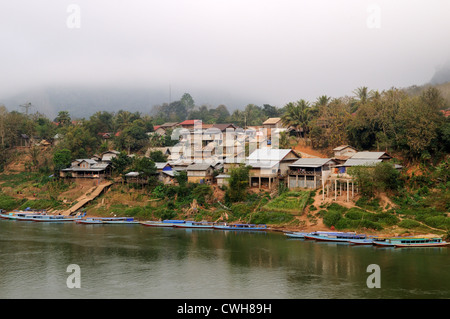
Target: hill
(82, 102)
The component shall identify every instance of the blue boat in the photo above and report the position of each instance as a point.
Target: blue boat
(403, 242)
(194, 224)
(295, 234)
(107, 220)
(363, 241)
(55, 219)
(164, 223)
(22, 215)
(334, 237)
(245, 227)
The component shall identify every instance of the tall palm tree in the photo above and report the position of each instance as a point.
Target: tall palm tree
(322, 101)
(297, 115)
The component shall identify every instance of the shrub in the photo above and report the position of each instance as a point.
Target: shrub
(331, 218)
(409, 224)
(265, 217)
(355, 214)
(9, 203)
(438, 222)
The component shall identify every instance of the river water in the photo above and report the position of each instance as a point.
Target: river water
(133, 261)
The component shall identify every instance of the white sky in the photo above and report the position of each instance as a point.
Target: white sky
(272, 50)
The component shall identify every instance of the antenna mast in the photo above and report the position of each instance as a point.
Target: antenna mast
(26, 106)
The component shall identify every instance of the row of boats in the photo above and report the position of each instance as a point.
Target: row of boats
(345, 237)
(82, 219)
(362, 239)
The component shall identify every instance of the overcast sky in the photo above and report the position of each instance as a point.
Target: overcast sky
(272, 50)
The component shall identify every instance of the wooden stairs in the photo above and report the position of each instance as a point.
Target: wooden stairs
(90, 195)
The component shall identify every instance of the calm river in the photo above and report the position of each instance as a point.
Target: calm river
(133, 261)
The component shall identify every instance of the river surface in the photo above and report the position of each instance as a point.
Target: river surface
(134, 261)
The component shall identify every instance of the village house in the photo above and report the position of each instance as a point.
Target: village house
(200, 173)
(363, 159)
(87, 168)
(309, 172)
(343, 153)
(164, 128)
(269, 166)
(190, 124)
(109, 155)
(165, 150)
(222, 179)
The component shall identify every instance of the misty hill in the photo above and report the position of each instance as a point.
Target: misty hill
(443, 87)
(83, 102)
(442, 75)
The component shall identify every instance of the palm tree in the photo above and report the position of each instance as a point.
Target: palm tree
(322, 101)
(297, 115)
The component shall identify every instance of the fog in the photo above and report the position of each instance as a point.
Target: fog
(235, 51)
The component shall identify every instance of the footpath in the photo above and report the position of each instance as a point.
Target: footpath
(90, 195)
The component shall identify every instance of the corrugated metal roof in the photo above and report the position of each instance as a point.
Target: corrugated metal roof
(263, 164)
(368, 155)
(340, 148)
(312, 162)
(132, 174)
(268, 154)
(87, 160)
(161, 165)
(272, 120)
(198, 167)
(361, 162)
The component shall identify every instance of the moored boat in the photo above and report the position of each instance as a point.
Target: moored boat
(251, 227)
(295, 234)
(22, 215)
(334, 237)
(194, 224)
(46, 218)
(164, 223)
(402, 242)
(362, 241)
(107, 220)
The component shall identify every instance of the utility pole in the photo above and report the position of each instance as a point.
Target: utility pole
(26, 106)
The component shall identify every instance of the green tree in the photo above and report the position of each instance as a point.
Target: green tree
(237, 184)
(146, 168)
(62, 159)
(63, 119)
(158, 156)
(121, 162)
(297, 115)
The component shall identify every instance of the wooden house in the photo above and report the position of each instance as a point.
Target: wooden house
(164, 128)
(87, 168)
(200, 173)
(309, 172)
(344, 152)
(269, 165)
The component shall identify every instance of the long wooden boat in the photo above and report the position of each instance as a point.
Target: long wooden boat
(244, 227)
(362, 241)
(120, 220)
(334, 237)
(402, 242)
(164, 223)
(107, 220)
(295, 234)
(194, 224)
(55, 219)
(20, 215)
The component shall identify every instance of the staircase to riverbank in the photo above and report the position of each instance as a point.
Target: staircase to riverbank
(90, 195)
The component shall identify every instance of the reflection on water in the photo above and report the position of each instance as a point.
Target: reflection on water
(132, 261)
